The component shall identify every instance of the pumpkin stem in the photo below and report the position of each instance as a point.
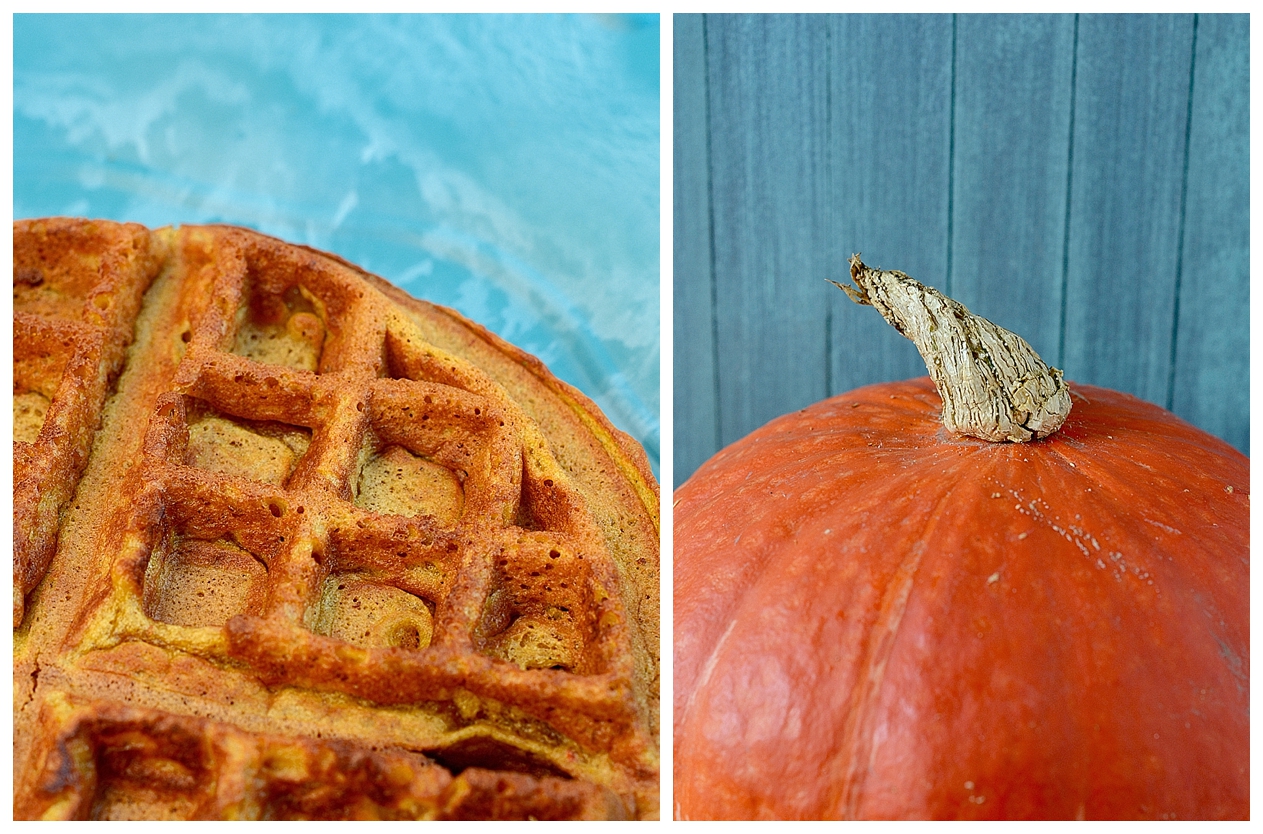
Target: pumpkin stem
(993, 383)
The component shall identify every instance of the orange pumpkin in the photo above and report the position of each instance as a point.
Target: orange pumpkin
(876, 618)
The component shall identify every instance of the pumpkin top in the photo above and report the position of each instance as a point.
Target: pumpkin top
(873, 619)
(993, 384)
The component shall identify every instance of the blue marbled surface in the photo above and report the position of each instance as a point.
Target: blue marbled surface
(506, 166)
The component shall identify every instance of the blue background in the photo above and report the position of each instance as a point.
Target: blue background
(507, 166)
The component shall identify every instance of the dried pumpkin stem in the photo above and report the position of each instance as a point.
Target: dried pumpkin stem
(993, 383)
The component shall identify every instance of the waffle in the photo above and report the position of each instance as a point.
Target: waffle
(292, 544)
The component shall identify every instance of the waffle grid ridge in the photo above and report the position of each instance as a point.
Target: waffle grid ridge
(69, 338)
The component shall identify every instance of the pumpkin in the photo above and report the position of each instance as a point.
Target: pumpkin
(876, 617)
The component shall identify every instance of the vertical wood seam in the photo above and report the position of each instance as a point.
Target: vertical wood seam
(951, 162)
(1179, 241)
(828, 166)
(710, 212)
(1065, 238)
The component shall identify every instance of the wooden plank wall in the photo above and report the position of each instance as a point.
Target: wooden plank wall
(1080, 179)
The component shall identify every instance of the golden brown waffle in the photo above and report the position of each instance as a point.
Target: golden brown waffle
(76, 292)
(335, 552)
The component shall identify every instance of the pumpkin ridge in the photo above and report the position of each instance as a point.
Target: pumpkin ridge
(737, 594)
(947, 453)
(871, 674)
(739, 588)
(744, 596)
(708, 669)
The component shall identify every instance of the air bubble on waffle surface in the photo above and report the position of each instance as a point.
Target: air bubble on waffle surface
(203, 583)
(423, 443)
(252, 449)
(545, 504)
(373, 615)
(281, 329)
(539, 615)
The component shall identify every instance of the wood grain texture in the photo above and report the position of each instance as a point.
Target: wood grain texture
(1211, 372)
(1013, 92)
(768, 85)
(696, 428)
(1050, 172)
(1131, 106)
(889, 145)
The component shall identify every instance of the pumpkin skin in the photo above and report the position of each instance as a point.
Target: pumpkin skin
(874, 619)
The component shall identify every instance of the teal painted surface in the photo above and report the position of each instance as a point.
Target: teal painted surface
(1014, 83)
(696, 426)
(507, 166)
(1081, 179)
(1214, 297)
(1126, 203)
(770, 128)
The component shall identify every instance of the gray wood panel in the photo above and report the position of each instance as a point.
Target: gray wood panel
(1131, 105)
(1083, 181)
(696, 426)
(1013, 97)
(768, 86)
(890, 120)
(1212, 356)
